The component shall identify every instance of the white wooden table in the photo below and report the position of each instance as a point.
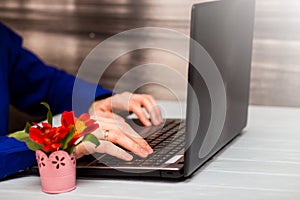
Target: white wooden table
(262, 163)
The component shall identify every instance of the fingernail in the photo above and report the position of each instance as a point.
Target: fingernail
(161, 119)
(158, 122)
(149, 149)
(144, 152)
(148, 123)
(154, 121)
(127, 157)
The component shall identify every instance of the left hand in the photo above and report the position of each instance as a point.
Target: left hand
(130, 102)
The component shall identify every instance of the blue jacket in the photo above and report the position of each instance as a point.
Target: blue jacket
(25, 81)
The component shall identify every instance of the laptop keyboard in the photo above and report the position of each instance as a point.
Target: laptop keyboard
(165, 143)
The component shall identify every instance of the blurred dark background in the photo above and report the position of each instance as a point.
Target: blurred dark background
(63, 32)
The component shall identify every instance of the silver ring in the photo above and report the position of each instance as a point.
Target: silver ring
(106, 135)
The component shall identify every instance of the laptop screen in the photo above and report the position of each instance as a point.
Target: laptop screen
(219, 77)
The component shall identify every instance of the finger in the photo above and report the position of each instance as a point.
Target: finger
(156, 109)
(111, 149)
(138, 111)
(128, 143)
(153, 109)
(101, 105)
(110, 115)
(144, 145)
(121, 133)
(104, 147)
(106, 122)
(130, 132)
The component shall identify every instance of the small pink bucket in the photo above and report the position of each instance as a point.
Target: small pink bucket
(57, 172)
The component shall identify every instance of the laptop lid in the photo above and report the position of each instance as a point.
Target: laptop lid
(219, 77)
(218, 88)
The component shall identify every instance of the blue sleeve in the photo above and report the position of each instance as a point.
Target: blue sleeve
(14, 156)
(33, 82)
(28, 81)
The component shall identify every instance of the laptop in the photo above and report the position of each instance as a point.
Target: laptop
(217, 99)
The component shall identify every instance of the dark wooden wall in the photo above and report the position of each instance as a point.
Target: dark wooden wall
(63, 32)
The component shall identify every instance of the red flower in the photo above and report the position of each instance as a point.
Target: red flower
(82, 125)
(67, 119)
(48, 136)
(65, 137)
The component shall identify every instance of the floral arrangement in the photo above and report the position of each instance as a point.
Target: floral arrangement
(48, 139)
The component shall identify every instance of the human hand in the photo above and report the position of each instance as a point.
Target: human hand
(114, 130)
(130, 102)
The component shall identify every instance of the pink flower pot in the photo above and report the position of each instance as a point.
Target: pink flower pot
(57, 172)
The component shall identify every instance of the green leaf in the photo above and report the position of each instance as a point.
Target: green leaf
(24, 137)
(32, 145)
(19, 135)
(64, 142)
(49, 113)
(87, 138)
(70, 150)
(91, 138)
(27, 127)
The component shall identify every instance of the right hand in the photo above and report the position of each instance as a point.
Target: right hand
(120, 133)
